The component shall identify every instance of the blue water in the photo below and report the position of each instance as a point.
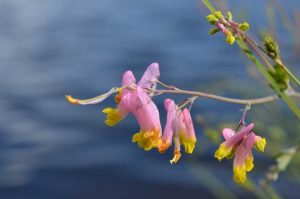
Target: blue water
(50, 149)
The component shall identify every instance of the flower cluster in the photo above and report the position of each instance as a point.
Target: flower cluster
(179, 126)
(239, 145)
(230, 28)
(136, 98)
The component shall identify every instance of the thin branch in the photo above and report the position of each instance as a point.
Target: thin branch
(227, 99)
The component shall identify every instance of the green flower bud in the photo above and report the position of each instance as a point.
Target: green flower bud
(214, 31)
(229, 16)
(271, 47)
(218, 14)
(244, 26)
(212, 19)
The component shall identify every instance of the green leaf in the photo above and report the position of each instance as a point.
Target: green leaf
(285, 157)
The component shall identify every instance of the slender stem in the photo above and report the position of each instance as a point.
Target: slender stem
(188, 101)
(247, 108)
(166, 85)
(224, 99)
(242, 121)
(209, 5)
(253, 45)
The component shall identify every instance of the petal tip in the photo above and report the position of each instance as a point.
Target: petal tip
(71, 100)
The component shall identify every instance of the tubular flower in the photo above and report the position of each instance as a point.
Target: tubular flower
(180, 126)
(187, 135)
(133, 98)
(239, 145)
(167, 137)
(143, 108)
(115, 115)
(138, 102)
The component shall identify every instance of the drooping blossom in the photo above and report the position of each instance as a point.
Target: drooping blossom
(179, 126)
(239, 145)
(134, 98)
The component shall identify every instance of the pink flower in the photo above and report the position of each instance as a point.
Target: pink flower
(136, 100)
(180, 126)
(133, 98)
(239, 145)
(170, 106)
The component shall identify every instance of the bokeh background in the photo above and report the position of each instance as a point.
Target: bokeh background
(51, 149)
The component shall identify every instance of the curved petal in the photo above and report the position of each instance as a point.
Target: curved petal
(180, 125)
(145, 110)
(150, 75)
(237, 138)
(186, 130)
(138, 99)
(228, 133)
(260, 143)
(170, 106)
(128, 78)
(243, 161)
(189, 123)
(243, 150)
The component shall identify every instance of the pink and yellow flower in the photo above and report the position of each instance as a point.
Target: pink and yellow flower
(179, 126)
(239, 145)
(134, 98)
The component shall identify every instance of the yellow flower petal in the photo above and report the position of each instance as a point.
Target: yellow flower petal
(147, 139)
(113, 116)
(260, 144)
(71, 100)
(188, 142)
(239, 174)
(189, 145)
(229, 38)
(223, 152)
(163, 146)
(249, 163)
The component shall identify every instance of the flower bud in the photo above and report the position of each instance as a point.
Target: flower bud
(271, 47)
(229, 16)
(244, 26)
(219, 15)
(212, 19)
(229, 38)
(214, 31)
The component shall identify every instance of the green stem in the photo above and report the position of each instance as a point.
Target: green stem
(290, 74)
(269, 78)
(209, 5)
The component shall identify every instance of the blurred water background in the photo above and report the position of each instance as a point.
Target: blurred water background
(51, 149)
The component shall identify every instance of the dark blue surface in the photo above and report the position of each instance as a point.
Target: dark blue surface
(50, 149)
